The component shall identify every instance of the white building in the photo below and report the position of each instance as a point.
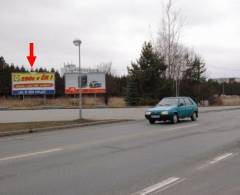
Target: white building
(226, 80)
(71, 68)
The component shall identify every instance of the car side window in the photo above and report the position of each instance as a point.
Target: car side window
(181, 101)
(188, 102)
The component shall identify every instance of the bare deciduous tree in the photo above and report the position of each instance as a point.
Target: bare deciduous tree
(168, 42)
(105, 67)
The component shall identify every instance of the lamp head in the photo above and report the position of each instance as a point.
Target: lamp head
(77, 42)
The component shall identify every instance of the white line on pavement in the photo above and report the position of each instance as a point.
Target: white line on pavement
(160, 186)
(30, 154)
(220, 158)
(216, 160)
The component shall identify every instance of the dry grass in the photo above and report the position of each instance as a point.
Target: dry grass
(91, 101)
(116, 102)
(32, 102)
(230, 100)
(16, 103)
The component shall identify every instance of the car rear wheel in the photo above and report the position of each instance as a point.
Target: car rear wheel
(151, 121)
(194, 116)
(174, 119)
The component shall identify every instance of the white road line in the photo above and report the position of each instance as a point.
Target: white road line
(30, 154)
(217, 160)
(220, 158)
(159, 186)
(170, 185)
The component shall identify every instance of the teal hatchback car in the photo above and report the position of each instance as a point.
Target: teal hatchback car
(173, 109)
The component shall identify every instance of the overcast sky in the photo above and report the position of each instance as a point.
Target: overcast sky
(114, 31)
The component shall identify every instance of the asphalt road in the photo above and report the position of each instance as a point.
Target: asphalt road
(127, 158)
(8, 116)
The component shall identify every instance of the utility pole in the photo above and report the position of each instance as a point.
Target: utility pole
(176, 87)
(223, 88)
(78, 42)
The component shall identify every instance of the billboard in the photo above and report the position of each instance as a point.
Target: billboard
(91, 83)
(33, 83)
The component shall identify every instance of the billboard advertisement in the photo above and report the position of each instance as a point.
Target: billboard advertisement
(33, 83)
(91, 83)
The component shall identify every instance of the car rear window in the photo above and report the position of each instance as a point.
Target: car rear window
(188, 101)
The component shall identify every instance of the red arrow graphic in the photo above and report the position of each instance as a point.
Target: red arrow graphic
(31, 58)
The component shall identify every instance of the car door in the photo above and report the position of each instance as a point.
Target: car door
(181, 108)
(189, 107)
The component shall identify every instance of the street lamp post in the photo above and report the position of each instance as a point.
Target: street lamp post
(78, 42)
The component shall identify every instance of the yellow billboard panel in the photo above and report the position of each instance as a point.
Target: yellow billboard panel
(33, 83)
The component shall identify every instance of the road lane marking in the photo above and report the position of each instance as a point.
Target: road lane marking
(163, 185)
(220, 158)
(30, 154)
(217, 160)
(170, 185)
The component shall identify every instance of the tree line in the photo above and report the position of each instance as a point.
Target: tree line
(146, 82)
(7, 69)
(115, 84)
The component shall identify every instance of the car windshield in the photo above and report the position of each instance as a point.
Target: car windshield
(168, 102)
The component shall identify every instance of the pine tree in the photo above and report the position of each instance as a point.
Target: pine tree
(22, 69)
(132, 96)
(5, 77)
(193, 82)
(59, 84)
(196, 70)
(2, 64)
(148, 73)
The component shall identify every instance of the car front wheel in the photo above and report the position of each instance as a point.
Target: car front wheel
(174, 119)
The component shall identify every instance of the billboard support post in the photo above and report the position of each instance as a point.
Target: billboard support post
(44, 99)
(95, 99)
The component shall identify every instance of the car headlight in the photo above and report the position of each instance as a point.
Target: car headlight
(164, 113)
(148, 113)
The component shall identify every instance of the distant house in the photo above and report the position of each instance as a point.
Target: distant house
(72, 68)
(226, 80)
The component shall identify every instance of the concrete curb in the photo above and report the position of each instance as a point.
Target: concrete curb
(68, 108)
(4, 108)
(36, 130)
(219, 110)
(76, 108)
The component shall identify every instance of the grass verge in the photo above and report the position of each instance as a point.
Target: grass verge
(7, 129)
